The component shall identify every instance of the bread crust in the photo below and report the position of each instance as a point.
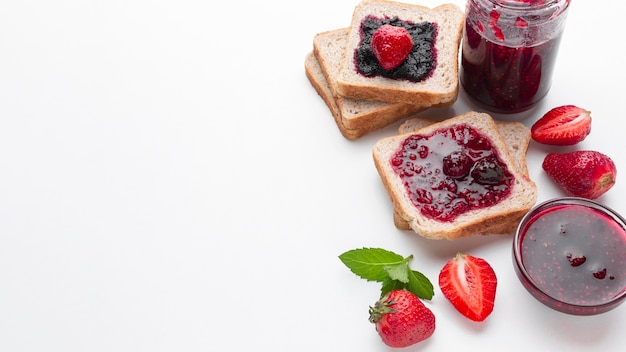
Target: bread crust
(440, 89)
(311, 69)
(500, 218)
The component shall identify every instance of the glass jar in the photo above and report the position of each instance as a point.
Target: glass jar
(509, 51)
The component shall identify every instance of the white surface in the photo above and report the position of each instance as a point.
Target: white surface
(171, 182)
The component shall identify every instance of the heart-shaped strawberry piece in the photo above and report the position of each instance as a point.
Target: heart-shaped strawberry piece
(391, 45)
(469, 283)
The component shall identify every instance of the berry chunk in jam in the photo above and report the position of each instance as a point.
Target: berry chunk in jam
(451, 171)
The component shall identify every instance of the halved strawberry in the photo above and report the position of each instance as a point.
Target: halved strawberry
(391, 45)
(563, 125)
(469, 283)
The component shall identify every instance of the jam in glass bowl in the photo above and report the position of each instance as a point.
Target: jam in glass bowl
(570, 254)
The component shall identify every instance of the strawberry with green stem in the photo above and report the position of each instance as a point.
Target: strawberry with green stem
(400, 317)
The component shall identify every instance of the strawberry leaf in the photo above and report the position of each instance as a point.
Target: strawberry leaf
(371, 264)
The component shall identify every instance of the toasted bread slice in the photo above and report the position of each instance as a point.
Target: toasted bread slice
(354, 117)
(497, 218)
(516, 136)
(439, 89)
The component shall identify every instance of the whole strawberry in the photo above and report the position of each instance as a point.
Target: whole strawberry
(469, 283)
(391, 45)
(582, 173)
(402, 319)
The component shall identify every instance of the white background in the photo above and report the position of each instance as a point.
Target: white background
(170, 181)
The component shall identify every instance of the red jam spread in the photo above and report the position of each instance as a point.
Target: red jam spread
(451, 171)
(575, 254)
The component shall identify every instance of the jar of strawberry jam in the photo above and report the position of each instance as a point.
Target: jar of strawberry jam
(509, 51)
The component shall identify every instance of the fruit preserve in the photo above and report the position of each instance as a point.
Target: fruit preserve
(451, 171)
(509, 51)
(420, 62)
(570, 254)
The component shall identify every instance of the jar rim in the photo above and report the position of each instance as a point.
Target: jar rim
(522, 5)
(537, 12)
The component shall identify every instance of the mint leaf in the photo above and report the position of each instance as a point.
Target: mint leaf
(371, 263)
(390, 285)
(376, 264)
(399, 272)
(420, 285)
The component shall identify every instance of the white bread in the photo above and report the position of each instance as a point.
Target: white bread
(440, 89)
(353, 117)
(498, 218)
(316, 77)
(517, 138)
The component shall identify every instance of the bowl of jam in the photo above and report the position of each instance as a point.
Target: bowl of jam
(570, 254)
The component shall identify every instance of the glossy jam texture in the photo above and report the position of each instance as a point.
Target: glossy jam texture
(574, 254)
(503, 78)
(509, 51)
(451, 171)
(419, 64)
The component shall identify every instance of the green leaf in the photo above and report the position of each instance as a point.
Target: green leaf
(376, 264)
(371, 263)
(399, 272)
(420, 285)
(390, 285)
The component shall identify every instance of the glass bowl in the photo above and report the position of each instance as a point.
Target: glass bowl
(570, 254)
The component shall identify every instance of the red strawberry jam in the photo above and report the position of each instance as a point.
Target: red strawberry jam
(508, 79)
(418, 65)
(510, 50)
(571, 255)
(451, 171)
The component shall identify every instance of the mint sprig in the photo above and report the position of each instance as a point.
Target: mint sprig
(389, 268)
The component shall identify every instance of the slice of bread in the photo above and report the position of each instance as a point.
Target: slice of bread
(517, 138)
(318, 81)
(439, 89)
(354, 118)
(498, 218)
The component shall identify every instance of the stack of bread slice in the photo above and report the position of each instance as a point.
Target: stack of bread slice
(361, 104)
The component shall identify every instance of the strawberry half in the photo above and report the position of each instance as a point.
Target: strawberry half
(469, 283)
(582, 173)
(391, 45)
(563, 125)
